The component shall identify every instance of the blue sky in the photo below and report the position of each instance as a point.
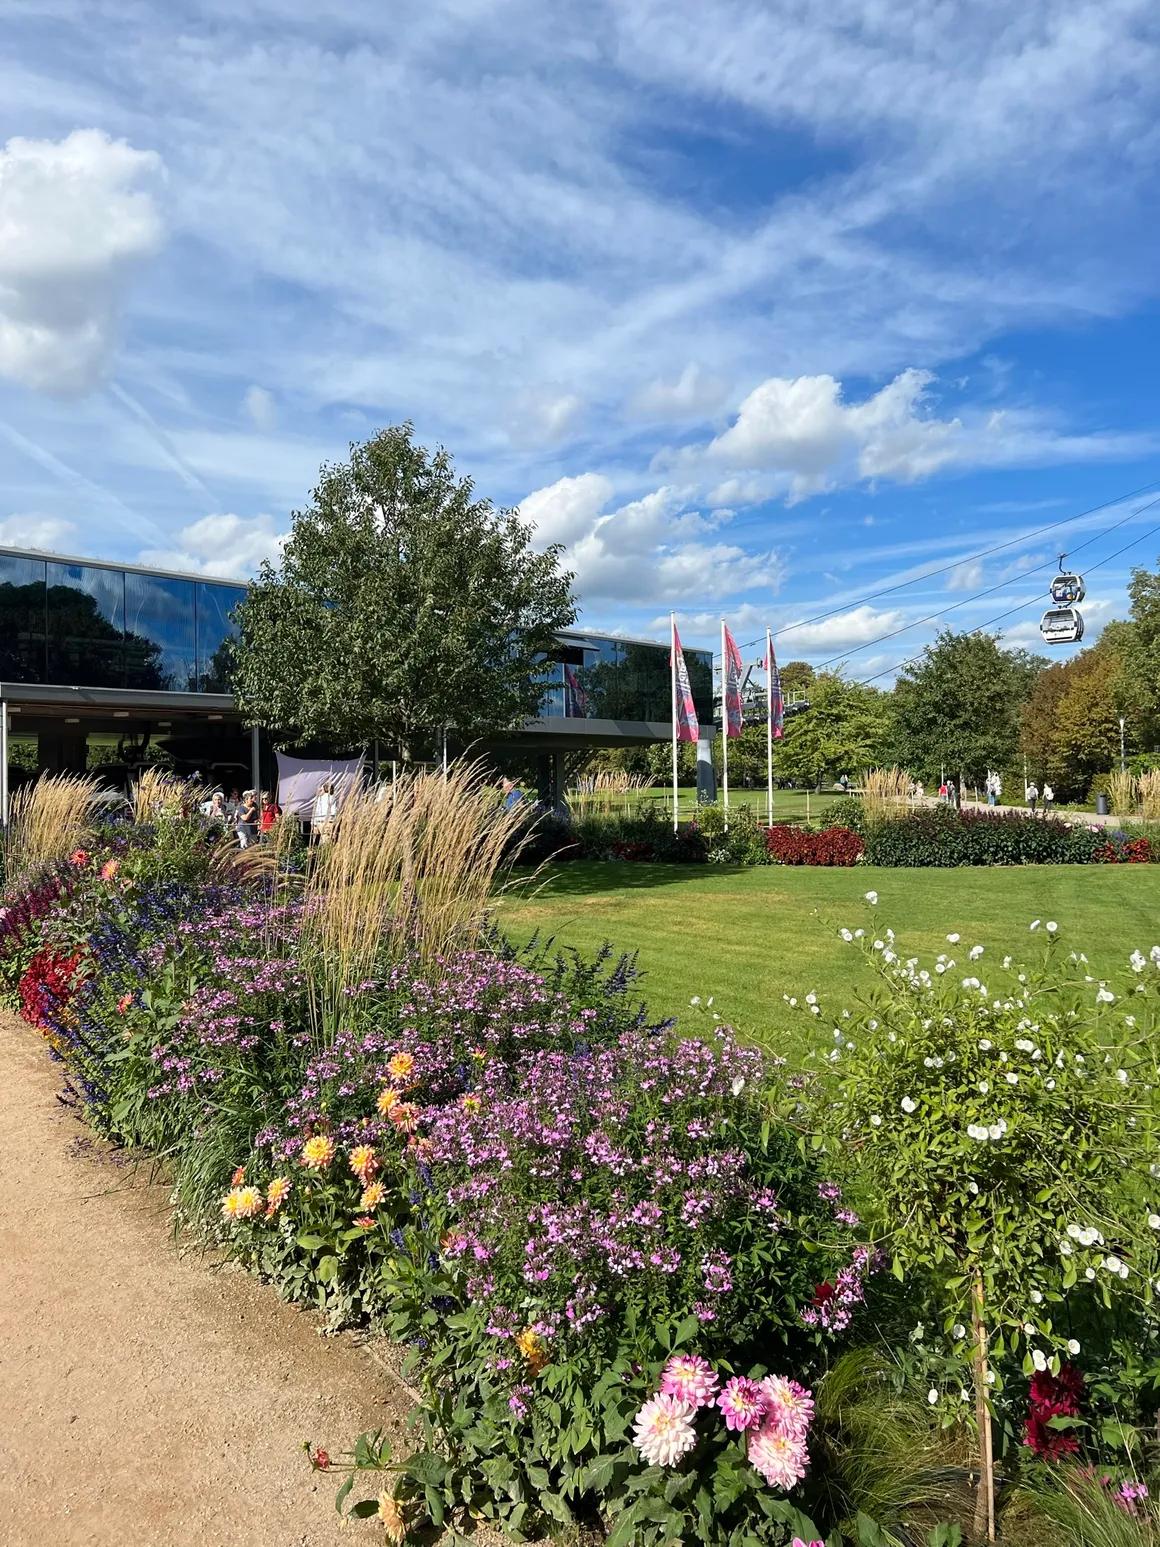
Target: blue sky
(759, 307)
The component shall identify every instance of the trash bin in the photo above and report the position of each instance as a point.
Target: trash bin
(1101, 805)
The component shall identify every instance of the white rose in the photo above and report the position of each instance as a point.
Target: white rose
(908, 1105)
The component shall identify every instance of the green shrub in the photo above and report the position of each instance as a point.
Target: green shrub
(940, 836)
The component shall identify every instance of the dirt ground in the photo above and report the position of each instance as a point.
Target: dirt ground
(145, 1398)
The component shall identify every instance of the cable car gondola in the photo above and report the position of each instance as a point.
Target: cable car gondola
(1067, 589)
(1062, 626)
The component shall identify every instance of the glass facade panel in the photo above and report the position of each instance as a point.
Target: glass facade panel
(160, 634)
(86, 625)
(595, 689)
(215, 634)
(22, 619)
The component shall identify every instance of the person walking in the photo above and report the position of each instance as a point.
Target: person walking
(1048, 796)
(215, 812)
(1033, 795)
(324, 810)
(942, 791)
(512, 794)
(952, 794)
(247, 828)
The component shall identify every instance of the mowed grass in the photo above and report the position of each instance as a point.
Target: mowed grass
(788, 805)
(747, 937)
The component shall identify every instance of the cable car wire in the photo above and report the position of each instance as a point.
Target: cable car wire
(970, 558)
(1035, 601)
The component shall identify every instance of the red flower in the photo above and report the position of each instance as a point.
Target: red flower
(321, 1461)
(79, 857)
(123, 1003)
(1053, 1396)
(823, 1292)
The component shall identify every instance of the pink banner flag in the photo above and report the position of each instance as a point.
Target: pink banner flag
(687, 727)
(776, 701)
(734, 720)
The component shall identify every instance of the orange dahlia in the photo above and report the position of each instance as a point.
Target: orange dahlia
(364, 1162)
(318, 1152)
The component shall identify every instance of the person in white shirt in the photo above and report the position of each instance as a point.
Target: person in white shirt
(324, 811)
(1048, 797)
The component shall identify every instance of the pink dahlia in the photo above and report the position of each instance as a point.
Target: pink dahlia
(690, 1379)
(789, 1407)
(663, 1430)
(780, 1459)
(742, 1402)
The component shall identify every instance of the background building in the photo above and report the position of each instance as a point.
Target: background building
(103, 665)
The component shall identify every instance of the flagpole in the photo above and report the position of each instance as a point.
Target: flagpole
(769, 723)
(725, 723)
(673, 683)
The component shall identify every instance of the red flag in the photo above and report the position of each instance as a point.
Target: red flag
(684, 710)
(776, 701)
(732, 683)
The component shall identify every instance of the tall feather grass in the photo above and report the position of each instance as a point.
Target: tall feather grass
(411, 866)
(885, 792)
(1122, 791)
(162, 796)
(49, 819)
(1149, 787)
(607, 791)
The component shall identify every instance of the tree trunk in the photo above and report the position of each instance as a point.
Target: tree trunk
(985, 1507)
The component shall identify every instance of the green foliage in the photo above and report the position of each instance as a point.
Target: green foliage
(959, 706)
(942, 837)
(1004, 1132)
(847, 727)
(402, 605)
(742, 843)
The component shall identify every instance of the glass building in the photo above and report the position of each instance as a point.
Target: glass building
(94, 653)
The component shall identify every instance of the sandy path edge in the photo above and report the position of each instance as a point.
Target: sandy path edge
(148, 1399)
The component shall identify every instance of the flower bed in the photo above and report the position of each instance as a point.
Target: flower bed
(625, 1262)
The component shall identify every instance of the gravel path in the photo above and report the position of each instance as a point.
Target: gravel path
(148, 1400)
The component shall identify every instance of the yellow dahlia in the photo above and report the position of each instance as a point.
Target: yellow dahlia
(364, 1162)
(318, 1152)
(242, 1203)
(372, 1196)
(531, 1345)
(387, 1099)
(276, 1194)
(391, 1516)
(401, 1066)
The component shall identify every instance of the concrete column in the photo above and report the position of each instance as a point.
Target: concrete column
(706, 778)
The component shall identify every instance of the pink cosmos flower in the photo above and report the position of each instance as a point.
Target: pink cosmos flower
(690, 1379)
(797, 1542)
(663, 1430)
(780, 1459)
(789, 1407)
(742, 1402)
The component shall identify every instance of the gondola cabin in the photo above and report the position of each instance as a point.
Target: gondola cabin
(1067, 590)
(1062, 626)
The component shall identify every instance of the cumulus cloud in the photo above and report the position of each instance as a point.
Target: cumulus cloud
(227, 546)
(655, 547)
(76, 217)
(803, 428)
(49, 533)
(966, 577)
(857, 627)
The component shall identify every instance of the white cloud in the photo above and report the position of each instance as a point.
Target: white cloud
(259, 407)
(693, 395)
(45, 532)
(228, 546)
(966, 577)
(857, 627)
(76, 217)
(567, 509)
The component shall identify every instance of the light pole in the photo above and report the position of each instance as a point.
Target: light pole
(1123, 759)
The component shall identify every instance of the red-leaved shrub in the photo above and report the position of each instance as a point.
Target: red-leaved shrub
(48, 982)
(1053, 1396)
(800, 846)
(1130, 851)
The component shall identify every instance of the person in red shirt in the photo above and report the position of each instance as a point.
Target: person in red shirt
(269, 815)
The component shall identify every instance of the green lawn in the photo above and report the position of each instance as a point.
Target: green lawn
(747, 937)
(788, 805)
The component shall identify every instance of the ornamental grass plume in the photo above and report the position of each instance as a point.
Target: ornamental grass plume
(160, 796)
(1122, 792)
(885, 792)
(410, 866)
(608, 791)
(50, 820)
(1149, 788)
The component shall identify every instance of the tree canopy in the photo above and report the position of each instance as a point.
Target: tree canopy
(959, 706)
(402, 605)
